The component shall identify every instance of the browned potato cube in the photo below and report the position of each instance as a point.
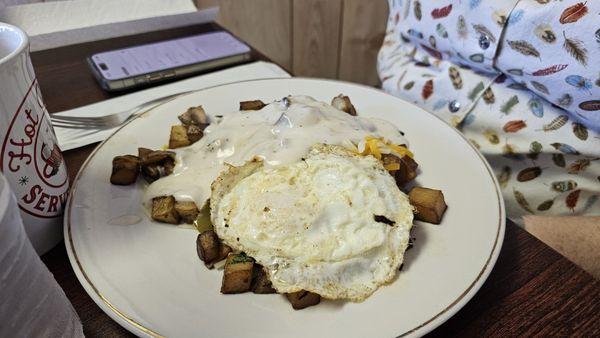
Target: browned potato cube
(210, 249)
(260, 282)
(252, 105)
(303, 299)
(194, 133)
(208, 246)
(163, 210)
(155, 156)
(187, 211)
(186, 118)
(178, 137)
(237, 276)
(152, 172)
(194, 115)
(224, 251)
(168, 167)
(143, 153)
(156, 163)
(343, 103)
(407, 171)
(125, 170)
(429, 203)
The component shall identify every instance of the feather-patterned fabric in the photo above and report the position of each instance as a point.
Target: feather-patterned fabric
(516, 16)
(523, 47)
(520, 79)
(576, 49)
(573, 13)
(474, 3)
(555, 46)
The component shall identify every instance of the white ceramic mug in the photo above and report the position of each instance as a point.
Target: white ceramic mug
(30, 158)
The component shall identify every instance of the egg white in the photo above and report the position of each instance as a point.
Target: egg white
(311, 223)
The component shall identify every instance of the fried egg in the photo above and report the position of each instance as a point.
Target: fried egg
(333, 223)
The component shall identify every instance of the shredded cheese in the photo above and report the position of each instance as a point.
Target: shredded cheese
(401, 151)
(377, 146)
(374, 148)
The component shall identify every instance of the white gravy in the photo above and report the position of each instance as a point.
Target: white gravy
(278, 134)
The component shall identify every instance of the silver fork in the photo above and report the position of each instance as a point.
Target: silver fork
(111, 120)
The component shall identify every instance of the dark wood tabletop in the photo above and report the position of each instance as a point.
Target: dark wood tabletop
(532, 290)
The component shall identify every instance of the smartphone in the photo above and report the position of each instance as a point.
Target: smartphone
(155, 62)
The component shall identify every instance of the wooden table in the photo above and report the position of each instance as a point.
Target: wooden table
(532, 290)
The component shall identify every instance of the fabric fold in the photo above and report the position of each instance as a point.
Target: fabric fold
(545, 49)
(511, 107)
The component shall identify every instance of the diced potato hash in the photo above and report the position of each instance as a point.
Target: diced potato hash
(237, 277)
(303, 299)
(163, 210)
(429, 204)
(125, 170)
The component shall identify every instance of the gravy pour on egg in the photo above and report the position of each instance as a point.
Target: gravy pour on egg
(280, 133)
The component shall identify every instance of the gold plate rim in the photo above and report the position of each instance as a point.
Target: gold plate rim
(484, 273)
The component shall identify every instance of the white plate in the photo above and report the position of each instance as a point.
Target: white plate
(147, 276)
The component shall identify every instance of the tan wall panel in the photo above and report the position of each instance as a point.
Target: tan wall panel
(319, 38)
(364, 24)
(264, 24)
(316, 33)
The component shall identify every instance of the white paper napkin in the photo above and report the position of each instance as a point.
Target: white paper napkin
(75, 138)
(32, 304)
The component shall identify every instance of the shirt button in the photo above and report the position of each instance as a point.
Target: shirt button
(484, 41)
(454, 106)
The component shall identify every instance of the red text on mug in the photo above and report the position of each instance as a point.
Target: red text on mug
(31, 157)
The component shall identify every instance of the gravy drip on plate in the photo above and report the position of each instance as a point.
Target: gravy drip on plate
(280, 133)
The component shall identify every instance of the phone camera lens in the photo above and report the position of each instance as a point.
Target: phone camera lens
(103, 66)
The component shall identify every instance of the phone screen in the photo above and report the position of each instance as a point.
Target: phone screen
(124, 63)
